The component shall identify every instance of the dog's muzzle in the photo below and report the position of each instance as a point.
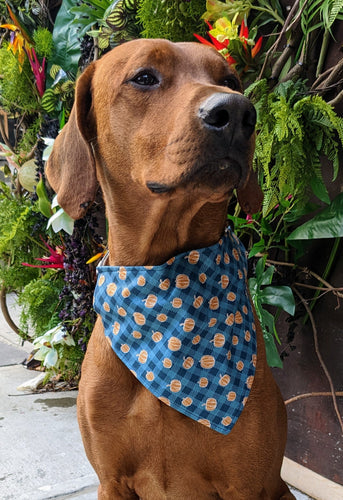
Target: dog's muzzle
(228, 114)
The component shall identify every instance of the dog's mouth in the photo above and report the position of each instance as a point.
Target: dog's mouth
(223, 174)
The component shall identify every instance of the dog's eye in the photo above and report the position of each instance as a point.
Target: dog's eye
(231, 82)
(145, 79)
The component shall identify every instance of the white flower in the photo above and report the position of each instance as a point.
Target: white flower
(60, 220)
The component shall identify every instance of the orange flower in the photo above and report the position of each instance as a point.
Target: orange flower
(20, 40)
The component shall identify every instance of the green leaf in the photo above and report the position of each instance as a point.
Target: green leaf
(273, 358)
(43, 203)
(279, 296)
(49, 101)
(65, 38)
(253, 289)
(327, 224)
(267, 276)
(260, 269)
(319, 189)
(89, 13)
(257, 248)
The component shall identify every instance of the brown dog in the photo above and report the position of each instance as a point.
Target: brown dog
(164, 129)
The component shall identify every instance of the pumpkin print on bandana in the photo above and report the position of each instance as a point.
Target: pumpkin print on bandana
(185, 329)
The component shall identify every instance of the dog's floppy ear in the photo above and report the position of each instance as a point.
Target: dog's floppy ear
(71, 166)
(250, 196)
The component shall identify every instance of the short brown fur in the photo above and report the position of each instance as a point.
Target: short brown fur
(124, 138)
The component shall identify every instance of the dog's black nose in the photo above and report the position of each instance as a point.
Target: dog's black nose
(223, 112)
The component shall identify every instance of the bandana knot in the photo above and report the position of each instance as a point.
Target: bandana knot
(185, 329)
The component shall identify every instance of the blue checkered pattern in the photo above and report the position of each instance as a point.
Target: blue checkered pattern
(185, 329)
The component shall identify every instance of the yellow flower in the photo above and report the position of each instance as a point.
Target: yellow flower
(17, 42)
(225, 30)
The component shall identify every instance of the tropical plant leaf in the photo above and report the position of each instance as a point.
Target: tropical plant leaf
(273, 357)
(65, 37)
(279, 296)
(49, 101)
(327, 224)
(89, 13)
(319, 189)
(333, 10)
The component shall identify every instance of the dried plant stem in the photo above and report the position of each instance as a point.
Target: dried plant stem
(286, 54)
(335, 73)
(285, 27)
(4, 131)
(327, 285)
(319, 356)
(336, 100)
(321, 78)
(96, 49)
(312, 394)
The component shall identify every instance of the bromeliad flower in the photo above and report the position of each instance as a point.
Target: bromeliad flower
(217, 44)
(54, 261)
(232, 42)
(38, 70)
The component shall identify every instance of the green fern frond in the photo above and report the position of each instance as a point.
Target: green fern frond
(334, 12)
(270, 200)
(257, 90)
(294, 132)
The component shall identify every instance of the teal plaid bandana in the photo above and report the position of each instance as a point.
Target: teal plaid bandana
(185, 329)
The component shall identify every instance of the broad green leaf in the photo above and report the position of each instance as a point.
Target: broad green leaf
(65, 37)
(43, 203)
(257, 248)
(268, 321)
(259, 270)
(88, 14)
(267, 276)
(319, 189)
(273, 358)
(279, 296)
(327, 224)
(253, 287)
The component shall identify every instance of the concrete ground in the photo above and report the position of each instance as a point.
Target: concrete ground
(41, 452)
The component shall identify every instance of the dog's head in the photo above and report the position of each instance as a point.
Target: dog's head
(165, 118)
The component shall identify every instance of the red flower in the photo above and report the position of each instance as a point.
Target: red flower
(216, 44)
(38, 70)
(256, 48)
(54, 261)
(244, 33)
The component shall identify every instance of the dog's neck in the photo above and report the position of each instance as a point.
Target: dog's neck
(165, 228)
